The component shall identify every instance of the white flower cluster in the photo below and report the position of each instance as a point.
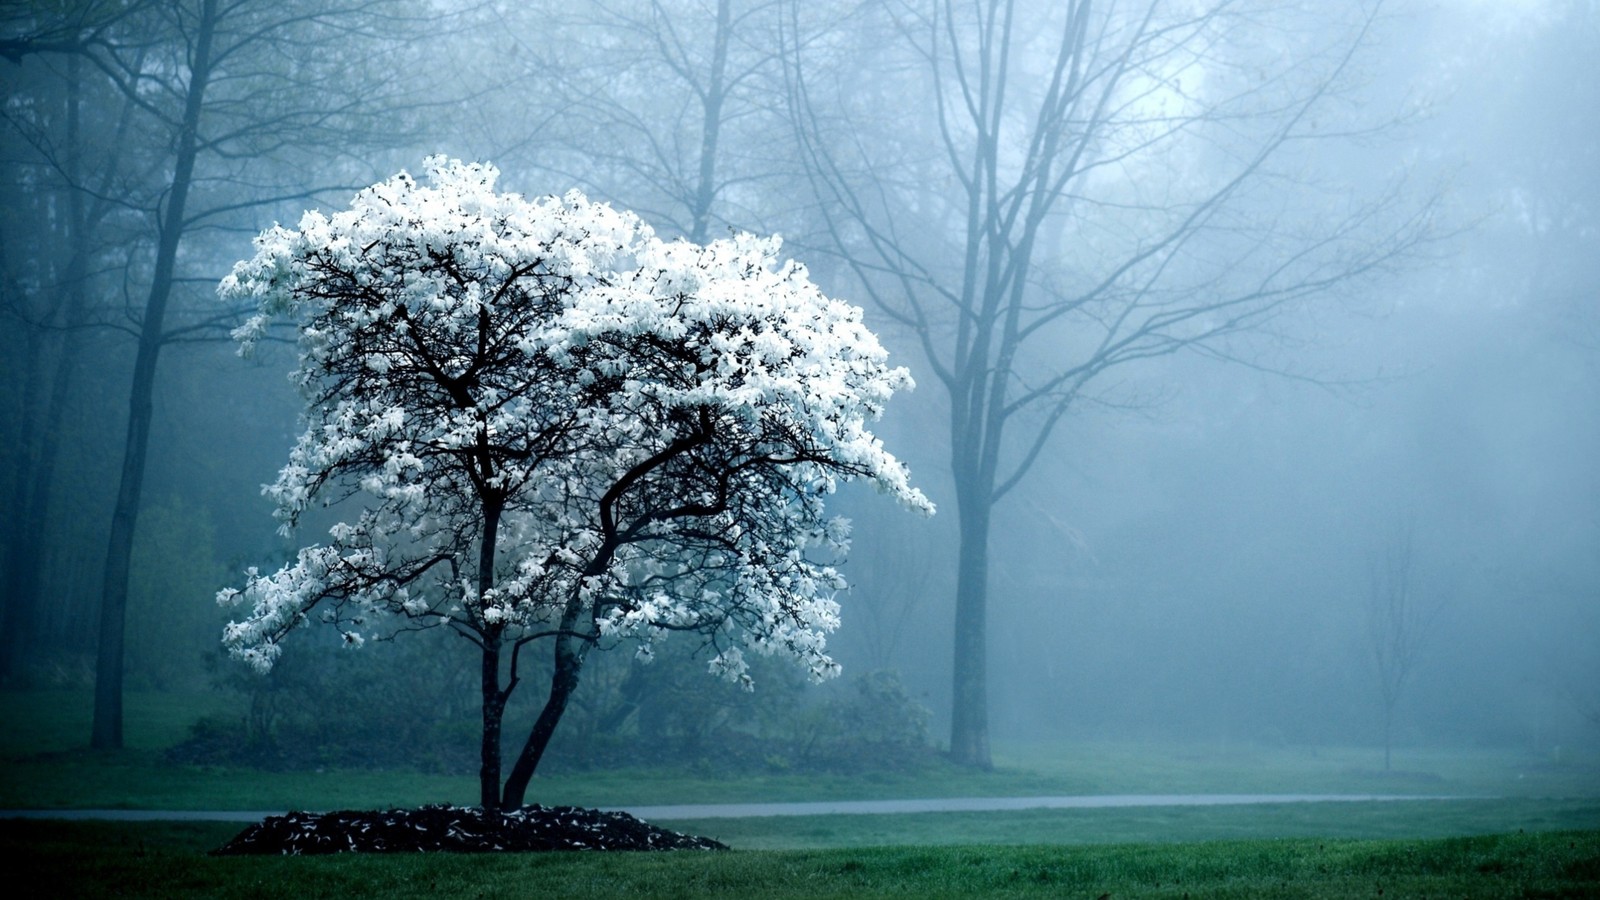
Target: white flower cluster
(636, 434)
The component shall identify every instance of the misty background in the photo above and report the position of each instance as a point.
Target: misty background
(1194, 557)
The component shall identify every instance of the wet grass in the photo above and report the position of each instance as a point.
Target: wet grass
(44, 767)
(1112, 767)
(1170, 824)
(142, 860)
(45, 722)
(1538, 835)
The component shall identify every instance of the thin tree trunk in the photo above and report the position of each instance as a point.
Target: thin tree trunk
(975, 437)
(22, 527)
(711, 129)
(570, 652)
(42, 411)
(1388, 732)
(572, 643)
(107, 729)
(631, 695)
(26, 556)
(494, 698)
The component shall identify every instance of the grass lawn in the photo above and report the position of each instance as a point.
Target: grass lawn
(1533, 831)
(46, 767)
(1156, 824)
(98, 859)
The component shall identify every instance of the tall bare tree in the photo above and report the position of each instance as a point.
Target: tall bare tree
(1042, 194)
(46, 274)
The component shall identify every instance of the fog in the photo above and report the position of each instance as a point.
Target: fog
(1198, 551)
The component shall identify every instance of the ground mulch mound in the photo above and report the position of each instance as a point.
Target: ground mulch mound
(463, 829)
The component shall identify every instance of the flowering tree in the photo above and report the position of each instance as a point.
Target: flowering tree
(547, 424)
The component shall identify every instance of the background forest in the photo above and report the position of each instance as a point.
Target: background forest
(1258, 351)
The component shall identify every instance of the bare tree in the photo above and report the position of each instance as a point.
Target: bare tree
(673, 108)
(53, 243)
(1042, 194)
(888, 589)
(1398, 624)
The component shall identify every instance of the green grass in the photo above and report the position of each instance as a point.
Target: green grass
(1536, 832)
(96, 859)
(1109, 767)
(1172, 824)
(57, 721)
(137, 779)
(44, 767)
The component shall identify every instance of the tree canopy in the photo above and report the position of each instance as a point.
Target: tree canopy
(543, 422)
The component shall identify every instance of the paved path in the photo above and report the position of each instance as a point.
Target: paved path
(822, 808)
(992, 804)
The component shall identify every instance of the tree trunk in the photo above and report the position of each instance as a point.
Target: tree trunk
(630, 696)
(21, 564)
(969, 710)
(572, 643)
(705, 194)
(42, 412)
(494, 699)
(570, 652)
(494, 707)
(1388, 732)
(107, 729)
(976, 425)
(23, 567)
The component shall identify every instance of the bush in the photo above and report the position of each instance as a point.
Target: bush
(395, 707)
(404, 705)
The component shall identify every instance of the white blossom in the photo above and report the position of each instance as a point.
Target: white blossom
(655, 424)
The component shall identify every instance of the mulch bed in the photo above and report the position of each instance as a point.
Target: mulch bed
(463, 829)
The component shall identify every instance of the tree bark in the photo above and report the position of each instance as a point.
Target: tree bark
(1388, 731)
(494, 707)
(107, 728)
(21, 565)
(711, 129)
(40, 441)
(494, 698)
(969, 711)
(569, 652)
(24, 567)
